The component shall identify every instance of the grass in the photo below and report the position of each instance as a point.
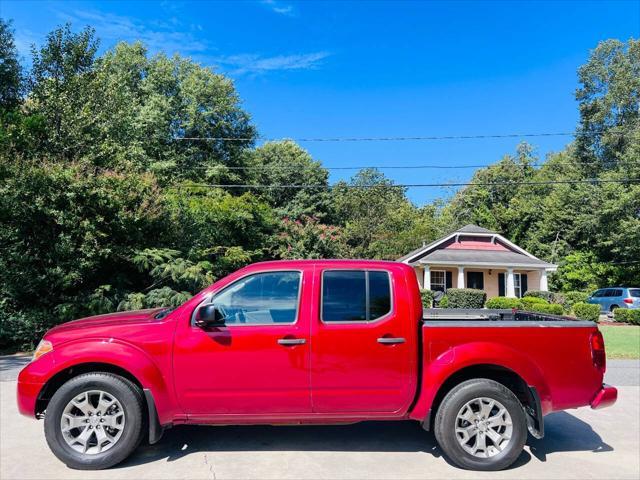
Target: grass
(621, 341)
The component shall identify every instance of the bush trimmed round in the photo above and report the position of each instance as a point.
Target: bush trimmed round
(504, 303)
(587, 311)
(466, 298)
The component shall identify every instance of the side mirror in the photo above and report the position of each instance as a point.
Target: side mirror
(208, 316)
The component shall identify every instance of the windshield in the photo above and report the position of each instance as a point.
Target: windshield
(163, 313)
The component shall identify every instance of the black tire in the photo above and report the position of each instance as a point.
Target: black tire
(129, 396)
(445, 423)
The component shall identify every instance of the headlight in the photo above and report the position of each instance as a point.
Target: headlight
(45, 346)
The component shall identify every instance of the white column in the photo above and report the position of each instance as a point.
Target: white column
(544, 286)
(426, 281)
(460, 277)
(511, 289)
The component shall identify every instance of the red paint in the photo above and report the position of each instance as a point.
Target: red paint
(241, 374)
(606, 397)
(480, 244)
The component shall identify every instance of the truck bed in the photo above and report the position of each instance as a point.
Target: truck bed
(499, 318)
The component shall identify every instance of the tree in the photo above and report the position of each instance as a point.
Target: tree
(609, 102)
(286, 163)
(307, 238)
(368, 208)
(60, 89)
(10, 70)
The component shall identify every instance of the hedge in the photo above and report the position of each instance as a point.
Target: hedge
(427, 298)
(551, 308)
(571, 298)
(587, 311)
(504, 302)
(548, 296)
(627, 316)
(529, 302)
(466, 298)
(444, 302)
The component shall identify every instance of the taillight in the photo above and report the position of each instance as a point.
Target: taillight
(597, 351)
(628, 300)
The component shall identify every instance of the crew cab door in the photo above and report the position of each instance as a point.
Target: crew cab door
(257, 363)
(364, 349)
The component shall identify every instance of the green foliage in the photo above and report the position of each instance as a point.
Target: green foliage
(286, 163)
(10, 70)
(573, 297)
(504, 303)
(427, 297)
(552, 308)
(547, 296)
(530, 302)
(626, 315)
(444, 302)
(308, 238)
(466, 298)
(586, 311)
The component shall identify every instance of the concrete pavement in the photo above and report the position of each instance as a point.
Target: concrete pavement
(579, 444)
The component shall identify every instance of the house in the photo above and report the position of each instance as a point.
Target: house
(474, 257)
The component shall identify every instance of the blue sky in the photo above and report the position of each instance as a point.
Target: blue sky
(374, 68)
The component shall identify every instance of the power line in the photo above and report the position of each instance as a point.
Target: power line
(411, 185)
(400, 138)
(407, 167)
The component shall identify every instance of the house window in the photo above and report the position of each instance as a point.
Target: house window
(517, 284)
(438, 281)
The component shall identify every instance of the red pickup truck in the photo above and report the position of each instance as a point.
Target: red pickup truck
(304, 342)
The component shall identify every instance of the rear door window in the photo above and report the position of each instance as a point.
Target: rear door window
(355, 295)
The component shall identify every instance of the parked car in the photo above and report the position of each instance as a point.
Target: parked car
(616, 297)
(311, 342)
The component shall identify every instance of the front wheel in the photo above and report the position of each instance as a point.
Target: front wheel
(94, 421)
(480, 425)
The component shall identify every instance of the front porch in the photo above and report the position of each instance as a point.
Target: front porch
(495, 281)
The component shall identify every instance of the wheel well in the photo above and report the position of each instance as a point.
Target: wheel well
(505, 376)
(67, 374)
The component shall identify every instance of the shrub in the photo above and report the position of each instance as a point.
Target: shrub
(466, 298)
(504, 302)
(627, 316)
(548, 296)
(551, 308)
(529, 302)
(571, 298)
(444, 302)
(427, 298)
(587, 311)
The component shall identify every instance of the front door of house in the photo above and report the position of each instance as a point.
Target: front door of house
(475, 280)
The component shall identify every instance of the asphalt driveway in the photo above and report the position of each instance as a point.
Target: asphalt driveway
(579, 444)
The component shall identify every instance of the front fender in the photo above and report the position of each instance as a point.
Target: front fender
(442, 361)
(126, 356)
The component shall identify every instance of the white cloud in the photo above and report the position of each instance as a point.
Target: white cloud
(157, 35)
(255, 64)
(279, 7)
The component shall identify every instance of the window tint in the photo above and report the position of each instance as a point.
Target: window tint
(345, 295)
(617, 292)
(634, 292)
(379, 294)
(262, 298)
(609, 292)
(598, 293)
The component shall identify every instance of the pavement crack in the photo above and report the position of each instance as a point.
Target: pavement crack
(210, 464)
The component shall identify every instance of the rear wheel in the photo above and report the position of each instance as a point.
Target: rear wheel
(480, 425)
(94, 421)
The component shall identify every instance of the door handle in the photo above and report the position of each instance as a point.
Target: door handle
(390, 340)
(292, 341)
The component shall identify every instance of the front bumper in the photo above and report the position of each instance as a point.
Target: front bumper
(605, 397)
